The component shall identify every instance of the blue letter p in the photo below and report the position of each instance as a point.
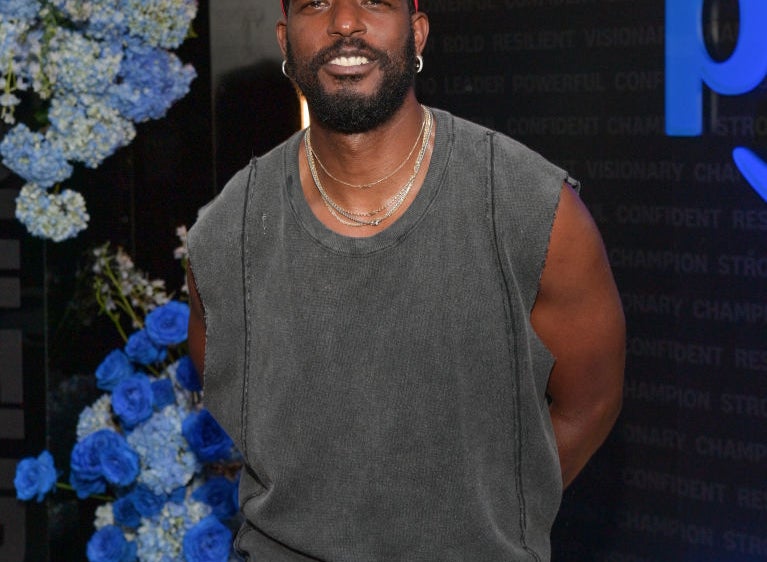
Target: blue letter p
(688, 64)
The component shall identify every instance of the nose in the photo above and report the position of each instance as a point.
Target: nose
(346, 19)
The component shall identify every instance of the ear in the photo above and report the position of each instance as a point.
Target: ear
(282, 36)
(420, 23)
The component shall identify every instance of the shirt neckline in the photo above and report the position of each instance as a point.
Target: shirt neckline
(340, 243)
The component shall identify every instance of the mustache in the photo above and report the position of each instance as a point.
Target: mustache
(343, 46)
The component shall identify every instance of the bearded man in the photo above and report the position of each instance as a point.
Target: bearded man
(406, 322)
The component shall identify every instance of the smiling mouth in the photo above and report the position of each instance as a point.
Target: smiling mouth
(349, 61)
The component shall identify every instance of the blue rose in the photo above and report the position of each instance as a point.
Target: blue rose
(208, 541)
(218, 493)
(132, 400)
(125, 512)
(115, 367)
(167, 324)
(141, 349)
(119, 463)
(178, 495)
(108, 544)
(35, 477)
(100, 457)
(207, 439)
(162, 393)
(146, 502)
(85, 486)
(187, 375)
(85, 454)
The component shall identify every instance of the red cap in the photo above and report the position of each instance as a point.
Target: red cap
(284, 12)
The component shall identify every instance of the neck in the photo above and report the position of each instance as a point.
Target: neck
(363, 158)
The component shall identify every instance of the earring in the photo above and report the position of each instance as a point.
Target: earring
(418, 64)
(283, 69)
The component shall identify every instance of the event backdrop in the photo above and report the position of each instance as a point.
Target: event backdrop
(682, 477)
(584, 83)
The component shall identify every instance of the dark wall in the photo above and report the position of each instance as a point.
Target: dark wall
(582, 81)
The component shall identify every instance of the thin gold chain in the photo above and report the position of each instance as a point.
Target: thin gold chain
(383, 179)
(352, 218)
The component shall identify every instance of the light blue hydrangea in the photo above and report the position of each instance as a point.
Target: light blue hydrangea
(11, 44)
(151, 80)
(166, 459)
(19, 9)
(75, 63)
(107, 20)
(56, 216)
(76, 10)
(159, 538)
(161, 23)
(70, 52)
(86, 129)
(96, 416)
(33, 157)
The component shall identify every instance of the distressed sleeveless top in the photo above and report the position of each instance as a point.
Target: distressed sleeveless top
(388, 394)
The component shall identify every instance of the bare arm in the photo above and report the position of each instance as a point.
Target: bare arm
(578, 315)
(196, 331)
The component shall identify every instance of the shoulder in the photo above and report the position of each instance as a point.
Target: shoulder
(509, 158)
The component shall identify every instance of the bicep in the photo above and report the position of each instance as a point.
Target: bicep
(578, 313)
(196, 331)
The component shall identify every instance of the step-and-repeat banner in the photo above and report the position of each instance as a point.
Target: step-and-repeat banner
(660, 109)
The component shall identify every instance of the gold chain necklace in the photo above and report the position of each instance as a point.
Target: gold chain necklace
(352, 218)
(383, 179)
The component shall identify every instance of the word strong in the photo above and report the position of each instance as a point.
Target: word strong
(689, 66)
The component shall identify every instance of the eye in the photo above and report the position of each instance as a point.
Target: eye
(316, 4)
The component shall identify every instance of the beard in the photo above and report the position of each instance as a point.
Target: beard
(347, 111)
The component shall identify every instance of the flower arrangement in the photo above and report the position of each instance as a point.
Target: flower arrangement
(91, 69)
(147, 448)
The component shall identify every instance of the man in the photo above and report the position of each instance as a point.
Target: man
(406, 322)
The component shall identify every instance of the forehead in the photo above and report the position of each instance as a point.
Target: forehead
(285, 3)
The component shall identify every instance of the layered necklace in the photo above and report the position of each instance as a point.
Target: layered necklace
(390, 206)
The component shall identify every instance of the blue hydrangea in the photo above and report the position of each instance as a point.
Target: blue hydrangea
(76, 63)
(150, 81)
(86, 129)
(107, 20)
(161, 23)
(33, 157)
(19, 9)
(166, 459)
(159, 538)
(96, 416)
(56, 216)
(76, 10)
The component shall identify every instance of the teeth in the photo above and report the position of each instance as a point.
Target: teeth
(349, 61)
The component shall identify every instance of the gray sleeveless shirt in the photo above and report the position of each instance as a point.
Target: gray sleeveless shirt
(387, 393)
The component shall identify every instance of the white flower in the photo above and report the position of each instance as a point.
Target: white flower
(95, 417)
(104, 516)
